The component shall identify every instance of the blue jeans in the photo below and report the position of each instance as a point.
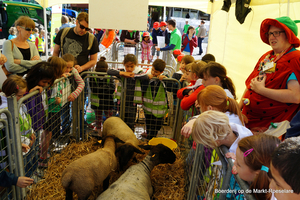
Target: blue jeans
(66, 116)
(200, 44)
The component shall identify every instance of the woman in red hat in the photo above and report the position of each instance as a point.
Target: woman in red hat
(273, 91)
(146, 47)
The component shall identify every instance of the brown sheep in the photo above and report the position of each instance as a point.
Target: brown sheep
(87, 172)
(117, 127)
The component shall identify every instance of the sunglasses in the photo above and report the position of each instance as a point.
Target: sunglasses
(83, 27)
(26, 29)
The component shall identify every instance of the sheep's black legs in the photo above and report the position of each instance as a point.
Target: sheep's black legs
(69, 194)
(106, 183)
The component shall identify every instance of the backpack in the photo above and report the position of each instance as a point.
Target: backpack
(66, 31)
(183, 38)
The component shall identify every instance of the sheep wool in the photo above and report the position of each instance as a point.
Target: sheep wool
(117, 127)
(135, 183)
(82, 175)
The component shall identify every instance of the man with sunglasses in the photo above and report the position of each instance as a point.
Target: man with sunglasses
(273, 91)
(78, 42)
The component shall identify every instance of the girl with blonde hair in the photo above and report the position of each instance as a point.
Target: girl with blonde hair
(213, 97)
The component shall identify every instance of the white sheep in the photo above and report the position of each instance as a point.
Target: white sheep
(117, 127)
(89, 171)
(135, 183)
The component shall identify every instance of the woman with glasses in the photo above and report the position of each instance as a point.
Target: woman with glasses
(21, 55)
(273, 91)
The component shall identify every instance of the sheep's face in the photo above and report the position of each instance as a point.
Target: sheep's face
(125, 153)
(162, 154)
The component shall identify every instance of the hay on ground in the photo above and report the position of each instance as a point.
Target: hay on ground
(167, 179)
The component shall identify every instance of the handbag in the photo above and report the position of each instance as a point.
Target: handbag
(7, 73)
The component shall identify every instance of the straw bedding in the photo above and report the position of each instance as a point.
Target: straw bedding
(168, 180)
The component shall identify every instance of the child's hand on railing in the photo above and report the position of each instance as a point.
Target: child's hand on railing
(25, 148)
(230, 155)
(71, 98)
(24, 181)
(66, 75)
(127, 74)
(37, 88)
(161, 77)
(233, 157)
(57, 100)
(186, 130)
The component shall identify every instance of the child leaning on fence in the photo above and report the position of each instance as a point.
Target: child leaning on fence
(155, 101)
(216, 74)
(146, 47)
(15, 84)
(213, 129)
(71, 62)
(41, 75)
(55, 98)
(189, 94)
(252, 162)
(102, 94)
(214, 97)
(67, 96)
(133, 75)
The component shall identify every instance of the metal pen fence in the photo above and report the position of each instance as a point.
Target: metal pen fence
(209, 176)
(118, 97)
(119, 50)
(8, 154)
(73, 120)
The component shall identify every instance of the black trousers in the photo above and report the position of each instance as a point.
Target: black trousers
(153, 125)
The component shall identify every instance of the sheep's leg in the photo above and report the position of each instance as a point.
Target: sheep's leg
(69, 194)
(106, 183)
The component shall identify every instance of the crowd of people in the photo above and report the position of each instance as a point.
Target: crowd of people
(271, 97)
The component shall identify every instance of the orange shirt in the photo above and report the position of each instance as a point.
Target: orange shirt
(107, 41)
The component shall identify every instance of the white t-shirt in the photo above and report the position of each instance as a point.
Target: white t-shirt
(228, 93)
(273, 197)
(242, 132)
(233, 118)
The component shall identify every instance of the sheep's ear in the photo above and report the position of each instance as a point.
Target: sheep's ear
(136, 150)
(146, 147)
(98, 143)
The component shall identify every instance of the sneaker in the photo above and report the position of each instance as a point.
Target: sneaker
(43, 163)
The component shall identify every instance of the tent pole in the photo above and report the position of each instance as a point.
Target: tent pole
(46, 32)
(164, 18)
(288, 8)
(211, 16)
